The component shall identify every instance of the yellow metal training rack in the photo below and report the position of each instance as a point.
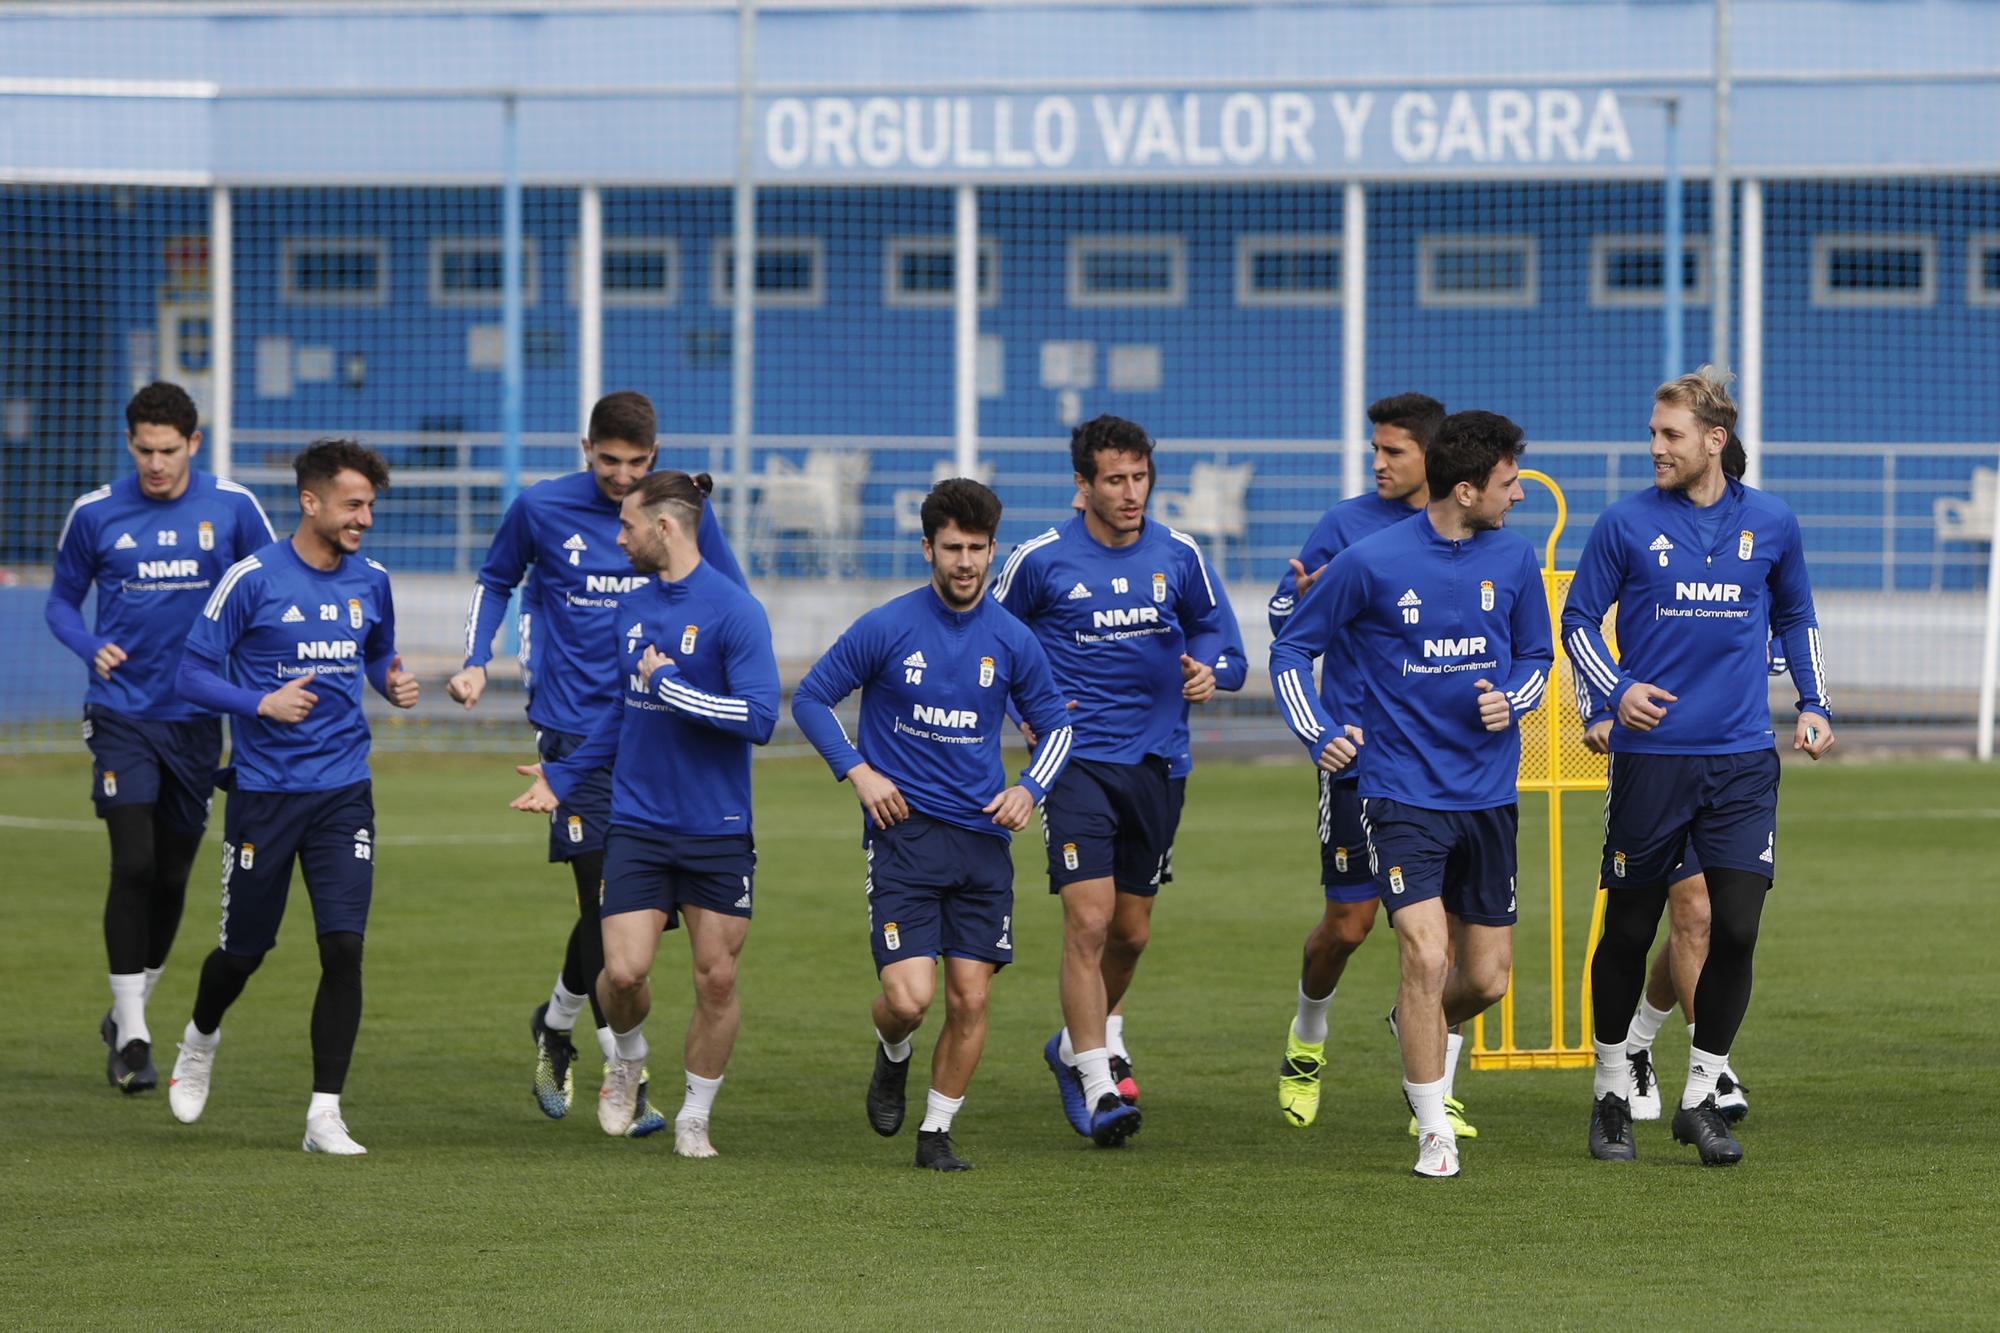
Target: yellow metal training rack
(1553, 760)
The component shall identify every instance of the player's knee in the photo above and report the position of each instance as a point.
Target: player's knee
(1086, 932)
(340, 955)
(715, 982)
(966, 1004)
(239, 964)
(1341, 933)
(623, 975)
(1425, 965)
(907, 1005)
(1127, 941)
(1488, 985)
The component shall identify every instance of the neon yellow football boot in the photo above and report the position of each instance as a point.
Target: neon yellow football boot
(1298, 1079)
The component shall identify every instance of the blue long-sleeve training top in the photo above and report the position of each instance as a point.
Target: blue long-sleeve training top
(561, 537)
(154, 563)
(273, 618)
(679, 747)
(1338, 528)
(934, 685)
(1699, 593)
(1223, 651)
(1427, 619)
(1114, 621)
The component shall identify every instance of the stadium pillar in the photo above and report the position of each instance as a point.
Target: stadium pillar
(1750, 421)
(1671, 246)
(510, 301)
(1353, 338)
(589, 302)
(1989, 656)
(1719, 200)
(743, 271)
(221, 330)
(965, 340)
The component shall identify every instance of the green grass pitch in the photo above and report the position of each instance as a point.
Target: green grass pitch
(1867, 1197)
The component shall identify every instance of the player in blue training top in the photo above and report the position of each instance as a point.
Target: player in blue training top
(284, 645)
(1704, 570)
(937, 669)
(1404, 426)
(1115, 600)
(153, 544)
(700, 687)
(1676, 968)
(561, 536)
(1449, 631)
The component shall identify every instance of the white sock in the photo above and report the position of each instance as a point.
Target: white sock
(199, 1040)
(564, 1006)
(1310, 1025)
(152, 979)
(323, 1101)
(128, 1007)
(1114, 1037)
(938, 1111)
(1427, 1100)
(1454, 1042)
(1065, 1050)
(607, 1041)
(1703, 1068)
(631, 1045)
(1095, 1067)
(699, 1102)
(1614, 1070)
(1645, 1026)
(899, 1051)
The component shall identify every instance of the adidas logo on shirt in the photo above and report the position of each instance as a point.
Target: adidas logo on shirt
(124, 542)
(1410, 598)
(1078, 593)
(638, 630)
(575, 543)
(292, 616)
(1660, 543)
(916, 659)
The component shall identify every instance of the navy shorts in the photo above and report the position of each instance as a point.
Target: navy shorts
(1343, 844)
(1465, 857)
(1689, 867)
(1176, 802)
(578, 826)
(1108, 821)
(330, 834)
(649, 868)
(935, 888)
(1715, 810)
(167, 765)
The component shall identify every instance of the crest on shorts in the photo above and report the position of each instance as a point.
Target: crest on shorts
(892, 937)
(688, 637)
(1340, 859)
(1159, 586)
(246, 855)
(110, 783)
(1486, 594)
(354, 613)
(1396, 884)
(1746, 542)
(985, 672)
(204, 535)
(1618, 864)
(576, 828)
(1069, 856)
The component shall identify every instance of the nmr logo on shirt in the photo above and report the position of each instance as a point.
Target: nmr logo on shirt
(1709, 592)
(612, 582)
(944, 717)
(334, 650)
(1125, 615)
(169, 569)
(1454, 647)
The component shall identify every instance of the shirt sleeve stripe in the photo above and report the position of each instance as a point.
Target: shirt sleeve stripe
(1200, 562)
(714, 705)
(1005, 583)
(472, 618)
(221, 594)
(1584, 654)
(1818, 668)
(238, 488)
(1298, 710)
(1055, 748)
(1531, 690)
(101, 493)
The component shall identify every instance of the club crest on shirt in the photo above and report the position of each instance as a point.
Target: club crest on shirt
(1159, 586)
(985, 672)
(204, 535)
(688, 637)
(354, 613)
(1746, 542)
(1486, 594)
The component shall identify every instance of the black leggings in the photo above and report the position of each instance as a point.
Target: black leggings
(150, 861)
(1632, 918)
(336, 1012)
(584, 958)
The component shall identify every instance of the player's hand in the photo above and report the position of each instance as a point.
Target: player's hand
(1495, 713)
(1353, 734)
(1597, 737)
(1302, 582)
(1197, 680)
(539, 799)
(290, 702)
(403, 687)
(878, 796)
(1011, 808)
(1338, 754)
(1639, 708)
(466, 687)
(650, 661)
(109, 656)
(1813, 734)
